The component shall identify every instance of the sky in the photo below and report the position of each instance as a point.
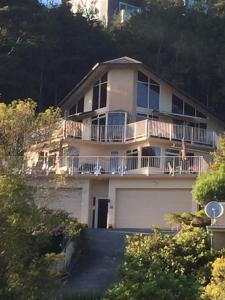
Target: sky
(53, 1)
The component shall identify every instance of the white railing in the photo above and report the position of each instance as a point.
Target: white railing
(140, 130)
(179, 132)
(120, 165)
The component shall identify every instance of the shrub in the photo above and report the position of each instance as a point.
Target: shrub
(215, 290)
(164, 267)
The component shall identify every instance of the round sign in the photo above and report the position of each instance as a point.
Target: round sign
(214, 209)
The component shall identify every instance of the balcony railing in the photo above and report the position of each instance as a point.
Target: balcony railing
(140, 130)
(106, 165)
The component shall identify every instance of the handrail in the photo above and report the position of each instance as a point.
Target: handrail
(140, 130)
(97, 165)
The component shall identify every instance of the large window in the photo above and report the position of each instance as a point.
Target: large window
(100, 93)
(147, 92)
(116, 118)
(177, 105)
(98, 128)
(78, 107)
(182, 108)
(129, 9)
(150, 157)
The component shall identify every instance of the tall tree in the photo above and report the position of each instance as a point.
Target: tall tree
(45, 51)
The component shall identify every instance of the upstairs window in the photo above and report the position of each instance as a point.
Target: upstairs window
(78, 107)
(147, 92)
(189, 110)
(182, 108)
(177, 105)
(100, 93)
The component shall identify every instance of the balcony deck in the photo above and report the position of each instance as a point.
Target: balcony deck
(111, 166)
(140, 131)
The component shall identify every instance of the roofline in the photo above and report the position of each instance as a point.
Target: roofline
(96, 66)
(182, 92)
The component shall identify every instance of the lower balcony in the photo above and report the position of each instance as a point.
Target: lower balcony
(110, 166)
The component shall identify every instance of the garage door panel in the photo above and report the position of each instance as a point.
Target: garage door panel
(144, 208)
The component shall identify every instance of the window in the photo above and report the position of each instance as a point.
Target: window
(78, 107)
(189, 110)
(200, 115)
(116, 122)
(70, 157)
(132, 159)
(100, 93)
(129, 9)
(147, 92)
(98, 133)
(177, 105)
(148, 157)
(182, 108)
(116, 118)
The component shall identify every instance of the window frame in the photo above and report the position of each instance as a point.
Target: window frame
(100, 84)
(149, 82)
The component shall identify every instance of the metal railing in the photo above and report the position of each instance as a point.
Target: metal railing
(140, 130)
(106, 165)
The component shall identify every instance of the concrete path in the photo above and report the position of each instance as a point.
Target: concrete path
(97, 270)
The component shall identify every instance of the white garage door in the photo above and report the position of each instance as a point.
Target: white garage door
(144, 208)
(68, 200)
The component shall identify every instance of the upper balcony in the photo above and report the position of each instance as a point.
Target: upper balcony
(140, 131)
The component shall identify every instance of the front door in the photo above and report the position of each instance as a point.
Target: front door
(102, 213)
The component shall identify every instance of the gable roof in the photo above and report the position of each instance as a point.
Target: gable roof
(128, 61)
(122, 60)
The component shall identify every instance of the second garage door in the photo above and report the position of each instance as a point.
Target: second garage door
(144, 208)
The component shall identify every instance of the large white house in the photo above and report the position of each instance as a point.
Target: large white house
(108, 10)
(131, 146)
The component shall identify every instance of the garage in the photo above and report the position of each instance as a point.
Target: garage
(67, 199)
(144, 208)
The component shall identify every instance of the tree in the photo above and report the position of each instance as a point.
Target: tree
(211, 184)
(26, 247)
(183, 45)
(45, 51)
(21, 126)
(215, 290)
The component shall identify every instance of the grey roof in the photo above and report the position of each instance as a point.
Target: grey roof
(122, 60)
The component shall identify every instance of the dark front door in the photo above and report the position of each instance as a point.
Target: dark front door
(102, 213)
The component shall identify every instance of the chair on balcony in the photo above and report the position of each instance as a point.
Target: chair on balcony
(122, 170)
(171, 169)
(98, 170)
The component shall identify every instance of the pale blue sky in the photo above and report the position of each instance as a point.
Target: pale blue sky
(48, 1)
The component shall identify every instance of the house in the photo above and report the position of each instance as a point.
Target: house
(131, 146)
(107, 10)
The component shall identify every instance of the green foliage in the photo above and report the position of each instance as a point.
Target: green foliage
(45, 51)
(21, 126)
(82, 296)
(183, 45)
(165, 267)
(211, 184)
(26, 246)
(215, 290)
(198, 219)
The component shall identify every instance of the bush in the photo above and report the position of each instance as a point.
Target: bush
(26, 249)
(164, 267)
(215, 290)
